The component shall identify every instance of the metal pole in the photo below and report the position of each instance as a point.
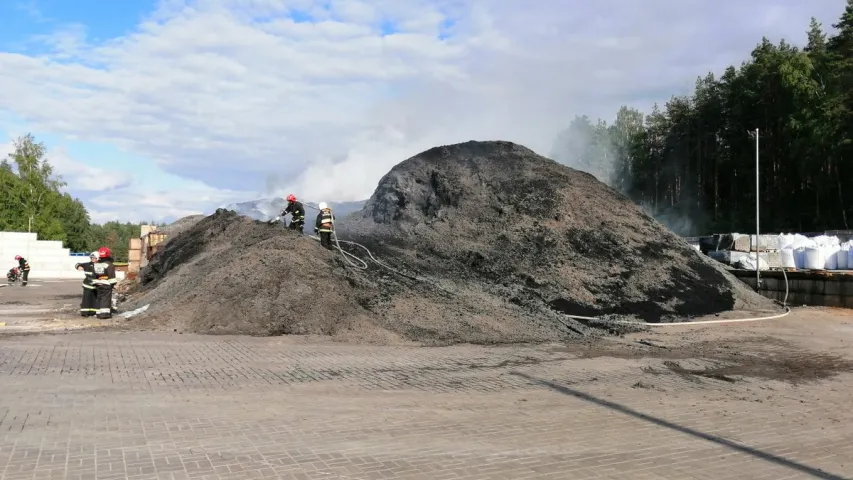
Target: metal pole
(757, 227)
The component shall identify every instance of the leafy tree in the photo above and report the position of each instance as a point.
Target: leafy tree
(36, 181)
(691, 161)
(33, 201)
(75, 222)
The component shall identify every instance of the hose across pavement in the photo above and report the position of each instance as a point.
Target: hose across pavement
(362, 265)
(708, 322)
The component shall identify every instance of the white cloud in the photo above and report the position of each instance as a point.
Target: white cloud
(229, 92)
(141, 203)
(85, 178)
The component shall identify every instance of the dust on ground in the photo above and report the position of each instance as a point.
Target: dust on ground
(810, 344)
(44, 306)
(480, 242)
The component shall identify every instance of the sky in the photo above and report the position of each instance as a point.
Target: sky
(157, 109)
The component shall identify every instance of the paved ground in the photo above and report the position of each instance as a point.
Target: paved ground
(765, 400)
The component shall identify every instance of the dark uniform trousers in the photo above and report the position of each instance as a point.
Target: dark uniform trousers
(25, 271)
(89, 303)
(104, 279)
(104, 300)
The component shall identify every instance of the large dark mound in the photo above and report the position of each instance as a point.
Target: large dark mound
(539, 233)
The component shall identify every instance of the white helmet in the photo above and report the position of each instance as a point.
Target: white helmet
(323, 205)
(95, 255)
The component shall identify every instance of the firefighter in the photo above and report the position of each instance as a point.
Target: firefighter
(325, 225)
(89, 302)
(24, 269)
(296, 211)
(104, 279)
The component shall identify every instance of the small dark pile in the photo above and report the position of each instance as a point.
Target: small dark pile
(231, 274)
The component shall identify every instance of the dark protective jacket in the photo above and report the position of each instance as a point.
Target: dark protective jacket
(23, 265)
(104, 272)
(325, 221)
(297, 210)
(89, 270)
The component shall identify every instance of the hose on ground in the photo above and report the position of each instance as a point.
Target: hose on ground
(348, 257)
(708, 322)
(702, 322)
(362, 265)
(376, 261)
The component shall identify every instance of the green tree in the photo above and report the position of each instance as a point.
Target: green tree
(37, 182)
(75, 222)
(691, 161)
(11, 209)
(33, 200)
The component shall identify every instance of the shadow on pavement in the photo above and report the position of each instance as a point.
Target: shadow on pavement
(817, 473)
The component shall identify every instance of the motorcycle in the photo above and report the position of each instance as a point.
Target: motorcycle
(13, 275)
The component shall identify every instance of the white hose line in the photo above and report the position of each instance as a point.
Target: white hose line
(703, 322)
(347, 256)
(364, 266)
(381, 264)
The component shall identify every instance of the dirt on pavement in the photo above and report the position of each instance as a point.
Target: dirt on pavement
(42, 306)
(810, 344)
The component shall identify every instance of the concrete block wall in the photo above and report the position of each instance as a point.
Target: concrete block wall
(804, 288)
(47, 258)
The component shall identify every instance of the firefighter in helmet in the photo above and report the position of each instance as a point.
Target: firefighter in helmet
(296, 211)
(325, 225)
(89, 302)
(104, 279)
(23, 269)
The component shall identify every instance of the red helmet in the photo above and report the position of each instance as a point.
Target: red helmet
(291, 198)
(104, 252)
(17, 257)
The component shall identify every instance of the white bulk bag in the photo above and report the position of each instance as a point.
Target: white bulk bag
(813, 258)
(788, 258)
(830, 257)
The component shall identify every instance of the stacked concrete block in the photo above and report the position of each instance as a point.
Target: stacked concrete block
(47, 259)
(732, 257)
(765, 242)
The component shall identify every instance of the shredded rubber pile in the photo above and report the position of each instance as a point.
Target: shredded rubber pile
(228, 274)
(536, 232)
(231, 274)
(482, 242)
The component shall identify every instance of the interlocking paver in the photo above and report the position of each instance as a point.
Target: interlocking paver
(148, 405)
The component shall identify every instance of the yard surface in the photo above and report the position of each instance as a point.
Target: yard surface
(761, 400)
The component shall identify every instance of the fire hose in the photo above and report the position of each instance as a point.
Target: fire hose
(362, 265)
(709, 322)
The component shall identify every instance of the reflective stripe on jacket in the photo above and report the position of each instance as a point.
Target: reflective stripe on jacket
(325, 221)
(104, 273)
